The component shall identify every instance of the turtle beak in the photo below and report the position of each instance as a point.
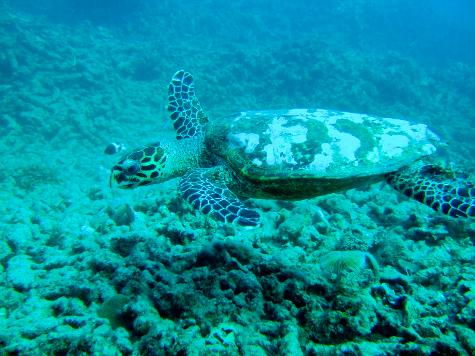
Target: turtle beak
(113, 178)
(117, 177)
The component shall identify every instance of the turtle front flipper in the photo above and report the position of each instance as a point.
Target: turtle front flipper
(183, 106)
(207, 192)
(436, 187)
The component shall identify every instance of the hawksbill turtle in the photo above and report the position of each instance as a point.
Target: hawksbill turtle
(288, 154)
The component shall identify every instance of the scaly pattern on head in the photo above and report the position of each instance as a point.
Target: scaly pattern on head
(183, 106)
(142, 166)
(436, 187)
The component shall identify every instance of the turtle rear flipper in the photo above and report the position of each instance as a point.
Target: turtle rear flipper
(183, 106)
(436, 187)
(208, 193)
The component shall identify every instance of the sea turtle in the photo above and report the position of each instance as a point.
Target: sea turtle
(288, 154)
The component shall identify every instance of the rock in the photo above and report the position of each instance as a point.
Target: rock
(20, 272)
(123, 215)
(466, 337)
(290, 342)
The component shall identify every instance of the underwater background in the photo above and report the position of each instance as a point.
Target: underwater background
(89, 270)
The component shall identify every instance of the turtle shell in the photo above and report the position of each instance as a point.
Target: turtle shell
(316, 144)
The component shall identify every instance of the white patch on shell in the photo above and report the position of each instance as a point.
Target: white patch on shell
(428, 148)
(417, 132)
(329, 117)
(301, 114)
(353, 117)
(397, 122)
(346, 143)
(373, 156)
(257, 162)
(397, 136)
(393, 145)
(322, 160)
(394, 139)
(281, 138)
(248, 141)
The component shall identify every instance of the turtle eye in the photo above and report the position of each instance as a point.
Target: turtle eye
(130, 167)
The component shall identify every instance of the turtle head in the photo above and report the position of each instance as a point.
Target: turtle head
(142, 166)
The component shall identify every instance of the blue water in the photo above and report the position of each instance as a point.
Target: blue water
(431, 30)
(90, 270)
